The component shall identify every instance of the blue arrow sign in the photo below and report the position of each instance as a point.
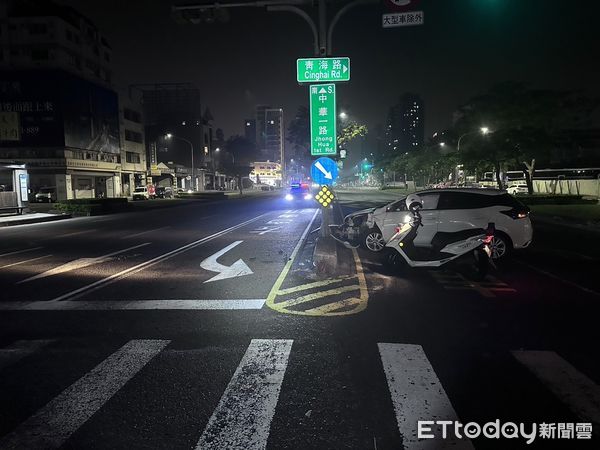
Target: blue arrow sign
(324, 171)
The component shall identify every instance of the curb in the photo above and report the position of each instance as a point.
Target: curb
(38, 220)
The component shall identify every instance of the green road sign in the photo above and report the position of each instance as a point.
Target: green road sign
(323, 138)
(323, 70)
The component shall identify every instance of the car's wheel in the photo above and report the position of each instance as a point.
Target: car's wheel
(500, 246)
(373, 240)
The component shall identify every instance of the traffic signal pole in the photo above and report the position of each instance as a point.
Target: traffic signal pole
(322, 46)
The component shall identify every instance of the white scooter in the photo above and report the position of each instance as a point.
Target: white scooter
(473, 244)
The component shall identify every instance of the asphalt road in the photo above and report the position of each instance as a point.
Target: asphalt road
(203, 326)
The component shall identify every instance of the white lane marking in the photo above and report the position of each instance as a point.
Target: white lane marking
(20, 251)
(145, 232)
(243, 417)
(80, 263)
(264, 230)
(288, 216)
(417, 394)
(572, 387)
(19, 350)
(24, 262)
(52, 425)
(237, 269)
(75, 233)
(138, 268)
(556, 277)
(278, 222)
(122, 305)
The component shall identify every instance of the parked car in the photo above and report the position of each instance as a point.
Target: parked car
(46, 194)
(163, 192)
(448, 210)
(141, 193)
(519, 188)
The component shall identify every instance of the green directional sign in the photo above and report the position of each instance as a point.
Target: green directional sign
(323, 70)
(323, 139)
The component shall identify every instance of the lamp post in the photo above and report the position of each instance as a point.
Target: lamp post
(172, 136)
(482, 130)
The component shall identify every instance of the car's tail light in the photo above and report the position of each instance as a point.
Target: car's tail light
(517, 213)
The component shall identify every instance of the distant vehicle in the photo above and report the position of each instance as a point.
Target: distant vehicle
(518, 188)
(163, 192)
(447, 210)
(142, 193)
(299, 191)
(46, 194)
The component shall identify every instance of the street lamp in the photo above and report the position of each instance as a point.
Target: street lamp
(343, 115)
(482, 130)
(172, 136)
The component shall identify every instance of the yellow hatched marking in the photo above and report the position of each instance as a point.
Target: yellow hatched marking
(316, 295)
(316, 284)
(330, 308)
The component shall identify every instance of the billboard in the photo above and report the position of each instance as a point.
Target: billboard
(55, 109)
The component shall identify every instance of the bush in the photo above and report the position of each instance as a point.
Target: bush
(542, 199)
(92, 206)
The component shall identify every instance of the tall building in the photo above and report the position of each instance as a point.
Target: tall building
(405, 130)
(60, 116)
(38, 34)
(175, 109)
(270, 135)
(250, 130)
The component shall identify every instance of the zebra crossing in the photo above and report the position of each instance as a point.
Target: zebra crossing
(243, 416)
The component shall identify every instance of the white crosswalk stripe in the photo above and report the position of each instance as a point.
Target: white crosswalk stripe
(572, 387)
(243, 417)
(417, 394)
(19, 350)
(52, 425)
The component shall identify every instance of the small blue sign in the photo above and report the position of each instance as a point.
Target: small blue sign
(324, 171)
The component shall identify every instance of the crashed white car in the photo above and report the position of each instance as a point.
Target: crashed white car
(447, 210)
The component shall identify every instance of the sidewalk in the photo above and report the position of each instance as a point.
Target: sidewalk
(11, 220)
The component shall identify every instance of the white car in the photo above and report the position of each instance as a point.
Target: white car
(448, 210)
(141, 193)
(520, 188)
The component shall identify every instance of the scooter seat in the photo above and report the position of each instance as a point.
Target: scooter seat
(443, 238)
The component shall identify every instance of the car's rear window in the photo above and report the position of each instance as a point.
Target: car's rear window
(140, 189)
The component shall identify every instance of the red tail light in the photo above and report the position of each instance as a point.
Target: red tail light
(397, 230)
(489, 233)
(517, 213)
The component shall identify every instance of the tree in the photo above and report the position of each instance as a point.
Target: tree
(523, 122)
(350, 132)
(241, 153)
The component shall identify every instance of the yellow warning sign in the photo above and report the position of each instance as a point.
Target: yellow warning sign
(325, 197)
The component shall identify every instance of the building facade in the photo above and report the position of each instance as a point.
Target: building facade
(266, 173)
(42, 34)
(270, 134)
(250, 130)
(60, 115)
(405, 129)
(179, 131)
(133, 149)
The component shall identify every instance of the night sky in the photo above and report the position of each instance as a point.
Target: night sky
(464, 47)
